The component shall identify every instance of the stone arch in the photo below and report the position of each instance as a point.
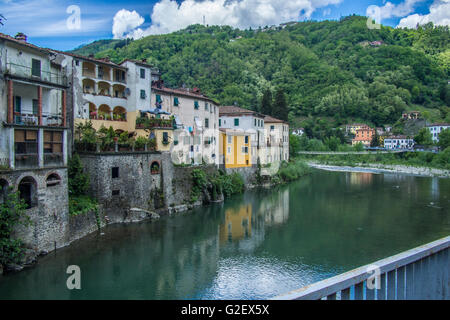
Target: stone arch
(120, 113)
(88, 86)
(155, 167)
(28, 189)
(104, 112)
(4, 185)
(53, 179)
(92, 110)
(104, 88)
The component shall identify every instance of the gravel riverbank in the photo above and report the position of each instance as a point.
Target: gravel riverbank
(380, 168)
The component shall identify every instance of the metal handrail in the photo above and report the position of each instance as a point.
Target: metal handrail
(343, 282)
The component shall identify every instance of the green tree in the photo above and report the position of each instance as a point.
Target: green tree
(78, 180)
(294, 145)
(375, 140)
(266, 103)
(444, 139)
(424, 137)
(280, 107)
(12, 214)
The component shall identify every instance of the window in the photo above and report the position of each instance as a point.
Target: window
(154, 168)
(142, 73)
(26, 142)
(165, 138)
(36, 68)
(53, 180)
(272, 128)
(230, 139)
(143, 95)
(246, 139)
(53, 142)
(77, 63)
(236, 122)
(256, 123)
(229, 149)
(206, 123)
(115, 172)
(244, 150)
(116, 192)
(176, 102)
(158, 98)
(196, 105)
(220, 122)
(206, 106)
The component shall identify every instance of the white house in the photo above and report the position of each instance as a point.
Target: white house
(398, 143)
(196, 136)
(298, 132)
(436, 129)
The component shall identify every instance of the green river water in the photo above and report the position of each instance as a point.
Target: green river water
(253, 246)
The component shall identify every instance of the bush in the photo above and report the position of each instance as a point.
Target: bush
(82, 205)
(12, 214)
(293, 171)
(78, 180)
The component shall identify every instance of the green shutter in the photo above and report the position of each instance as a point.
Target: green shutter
(18, 104)
(35, 106)
(158, 98)
(236, 122)
(175, 101)
(196, 104)
(36, 68)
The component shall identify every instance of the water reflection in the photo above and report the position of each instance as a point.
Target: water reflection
(253, 246)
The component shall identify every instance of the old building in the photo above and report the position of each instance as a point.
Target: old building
(277, 139)
(412, 115)
(248, 122)
(364, 136)
(436, 129)
(398, 143)
(33, 137)
(196, 118)
(352, 128)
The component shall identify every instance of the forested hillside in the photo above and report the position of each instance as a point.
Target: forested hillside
(335, 70)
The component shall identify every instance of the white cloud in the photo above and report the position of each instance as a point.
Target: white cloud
(168, 16)
(439, 15)
(125, 21)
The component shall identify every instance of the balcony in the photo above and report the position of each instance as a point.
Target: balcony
(153, 123)
(30, 73)
(31, 119)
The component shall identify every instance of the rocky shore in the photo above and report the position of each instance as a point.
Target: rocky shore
(381, 168)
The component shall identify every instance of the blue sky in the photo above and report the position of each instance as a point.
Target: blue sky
(46, 21)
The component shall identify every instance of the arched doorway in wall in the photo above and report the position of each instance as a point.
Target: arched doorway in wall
(28, 191)
(4, 185)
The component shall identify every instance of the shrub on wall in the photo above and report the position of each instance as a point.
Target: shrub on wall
(12, 214)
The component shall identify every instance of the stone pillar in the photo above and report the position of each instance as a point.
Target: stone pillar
(12, 154)
(10, 102)
(65, 147)
(64, 108)
(41, 147)
(39, 94)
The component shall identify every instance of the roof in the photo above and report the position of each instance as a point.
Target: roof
(182, 92)
(398, 137)
(237, 111)
(141, 63)
(439, 125)
(100, 61)
(23, 43)
(269, 119)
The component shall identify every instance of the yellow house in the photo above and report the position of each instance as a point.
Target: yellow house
(234, 149)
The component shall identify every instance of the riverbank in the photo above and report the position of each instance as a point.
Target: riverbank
(382, 168)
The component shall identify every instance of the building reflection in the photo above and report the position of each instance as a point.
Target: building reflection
(359, 178)
(237, 225)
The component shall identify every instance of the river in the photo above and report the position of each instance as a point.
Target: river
(254, 246)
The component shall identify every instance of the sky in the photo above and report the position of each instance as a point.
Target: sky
(65, 25)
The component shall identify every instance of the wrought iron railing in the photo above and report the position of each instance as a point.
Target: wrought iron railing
(34, 74)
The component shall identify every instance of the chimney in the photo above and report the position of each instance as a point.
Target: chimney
(21, 37)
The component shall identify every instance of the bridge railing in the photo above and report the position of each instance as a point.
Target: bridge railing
(421, 273)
